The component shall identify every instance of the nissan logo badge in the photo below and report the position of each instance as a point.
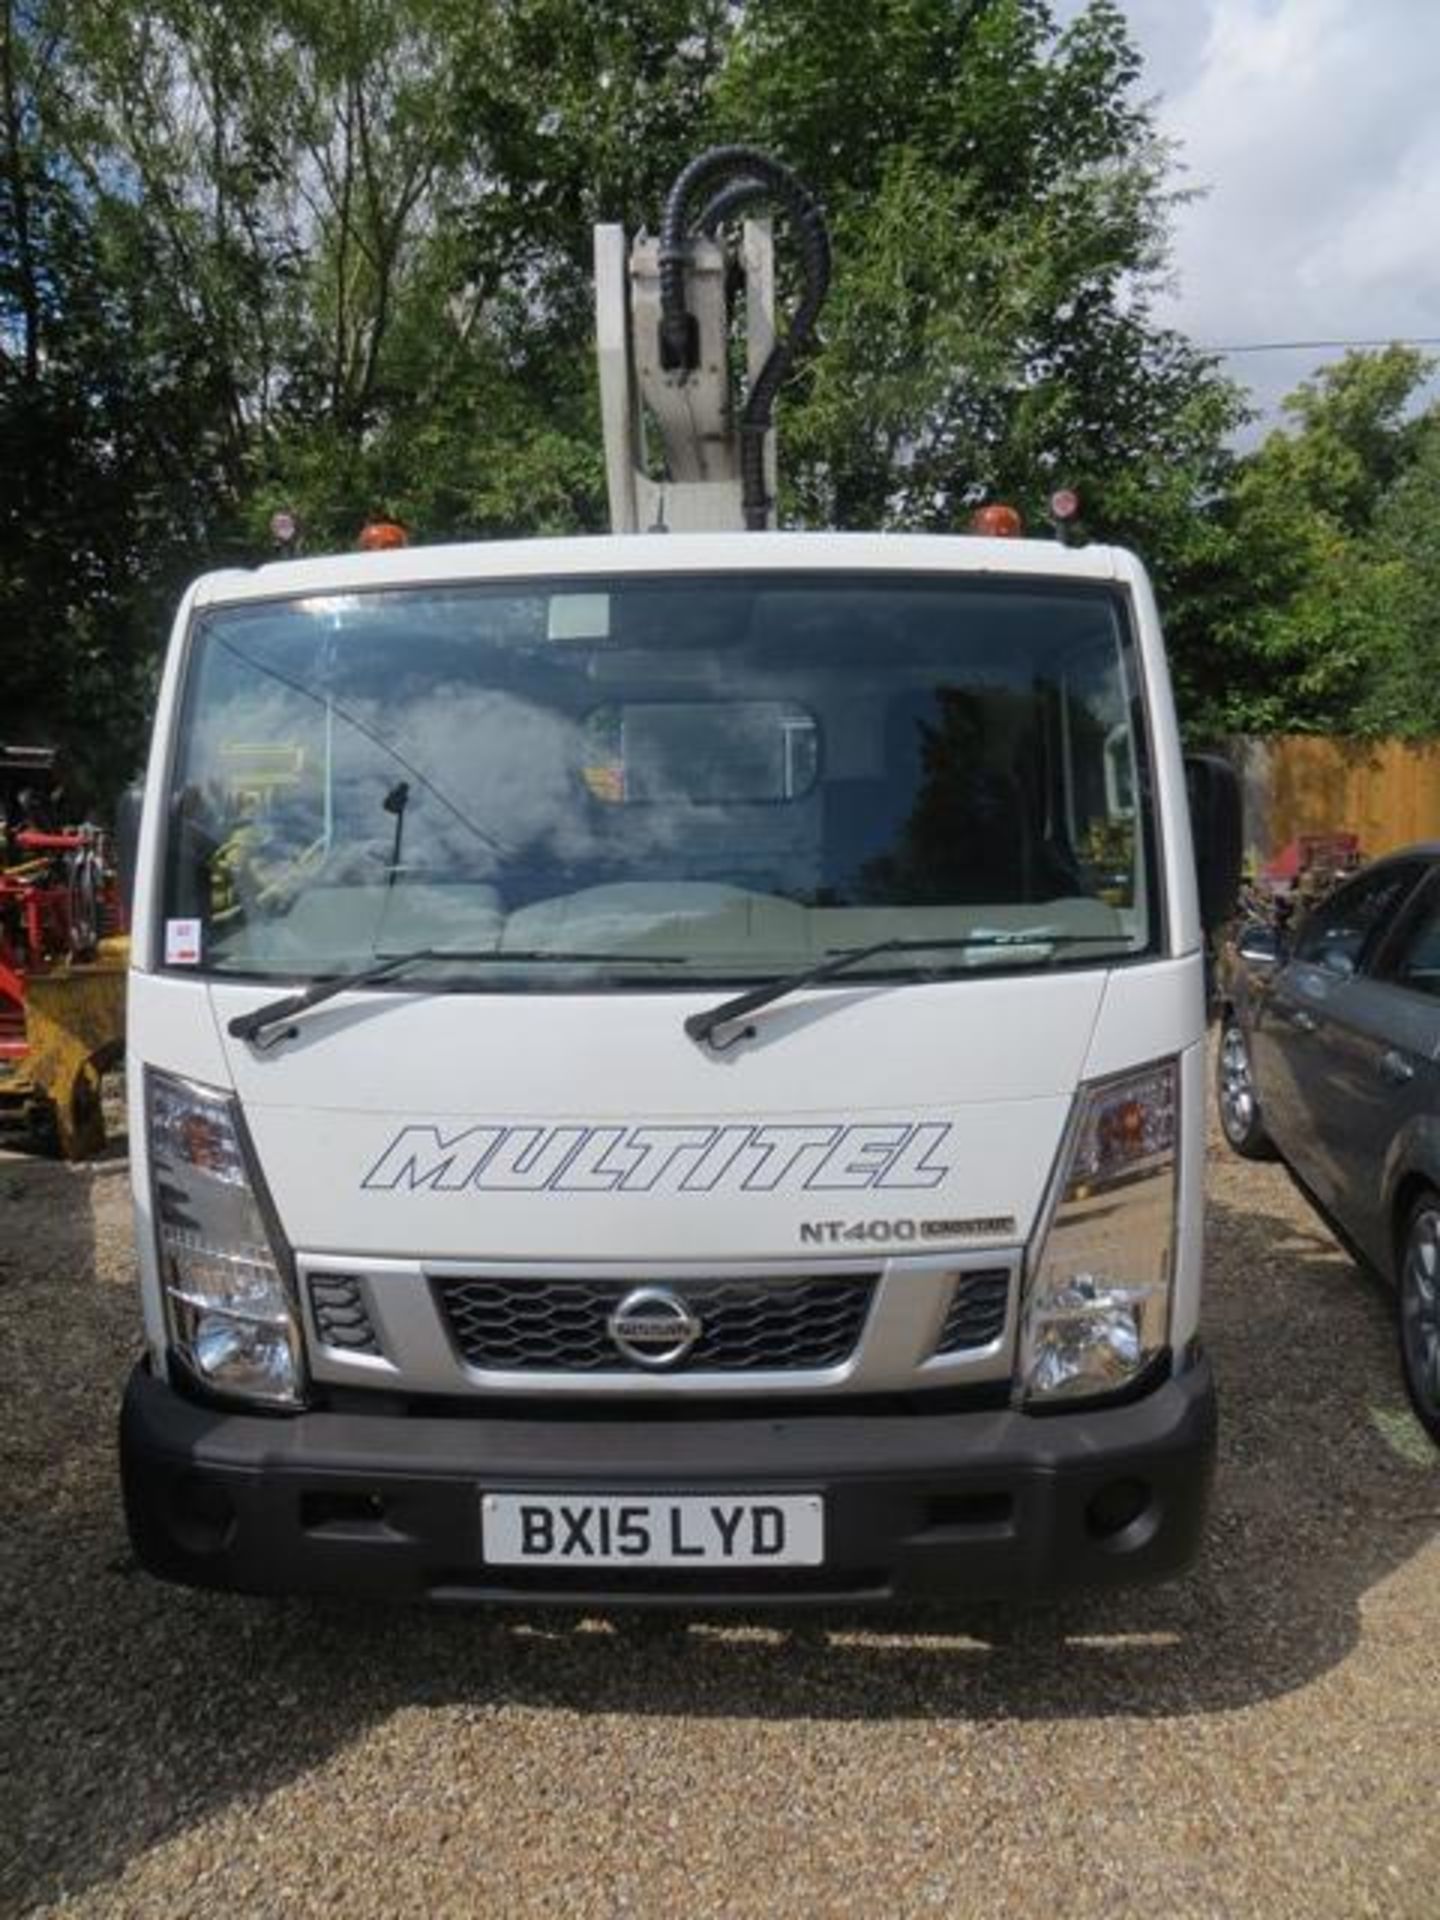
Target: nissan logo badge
(653, 1327)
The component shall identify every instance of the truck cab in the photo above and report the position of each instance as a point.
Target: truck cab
(669, 1068)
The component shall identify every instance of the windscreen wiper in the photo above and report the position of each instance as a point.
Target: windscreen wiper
(701, 1026)
(249, 1026)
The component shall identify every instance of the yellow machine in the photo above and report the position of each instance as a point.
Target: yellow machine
(75, 1031)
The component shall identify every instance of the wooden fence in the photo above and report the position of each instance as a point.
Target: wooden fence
(1387, 791)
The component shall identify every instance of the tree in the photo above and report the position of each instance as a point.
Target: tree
(1310, 602)
(1000, 205)
(334, 255)
(1403, 694)
(477, 412)
(321, 255)
(104, 491)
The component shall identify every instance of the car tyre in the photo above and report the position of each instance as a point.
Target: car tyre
(1239, 1104)
(1420, 1311)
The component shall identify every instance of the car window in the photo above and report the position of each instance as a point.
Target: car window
(1417, 964)
(1343, 930)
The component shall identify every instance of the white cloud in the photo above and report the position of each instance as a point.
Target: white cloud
(1314, 126)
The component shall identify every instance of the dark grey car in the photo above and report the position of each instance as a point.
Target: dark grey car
(1330, 1059)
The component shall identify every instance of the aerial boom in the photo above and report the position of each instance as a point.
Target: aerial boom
(685, 451)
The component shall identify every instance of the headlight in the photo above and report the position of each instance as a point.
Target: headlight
(1097, 1307)
(228, 1301)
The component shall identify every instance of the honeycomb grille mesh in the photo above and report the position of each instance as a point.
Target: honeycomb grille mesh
(342, 1320)
(976, 1314)
(781, 1325)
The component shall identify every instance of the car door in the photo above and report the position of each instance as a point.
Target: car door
(1386, 1062)
(1303, 1019)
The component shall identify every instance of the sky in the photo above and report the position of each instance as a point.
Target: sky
(1314, 126)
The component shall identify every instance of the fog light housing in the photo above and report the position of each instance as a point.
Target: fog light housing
(1116, 1508)
(1097, 1305)
(229, 1298)
(202, 1515)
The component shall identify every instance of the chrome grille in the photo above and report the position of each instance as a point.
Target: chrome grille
(976, 1314)
(342, 1320)
(559, 1326)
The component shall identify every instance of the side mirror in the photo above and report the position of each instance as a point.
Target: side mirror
(1214, 794)
(1260, 946)
(127, 844)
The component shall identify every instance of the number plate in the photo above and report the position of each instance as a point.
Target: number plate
(652, 1530)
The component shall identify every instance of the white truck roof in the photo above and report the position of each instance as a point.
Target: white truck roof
(662, 553)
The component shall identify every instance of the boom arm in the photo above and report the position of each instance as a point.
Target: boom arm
(663, 331)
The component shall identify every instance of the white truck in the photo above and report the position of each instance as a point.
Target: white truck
(670, 1068)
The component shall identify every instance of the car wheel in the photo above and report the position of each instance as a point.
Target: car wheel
(1235, 1090)
(1420, 1312)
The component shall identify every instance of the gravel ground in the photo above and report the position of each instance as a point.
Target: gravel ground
(1259, 1739)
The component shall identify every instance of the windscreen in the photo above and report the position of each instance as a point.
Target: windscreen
(644, 781)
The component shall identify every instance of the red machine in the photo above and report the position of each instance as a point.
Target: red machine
(1329, 853)
(61, 991)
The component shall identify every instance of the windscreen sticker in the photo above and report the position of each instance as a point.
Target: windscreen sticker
(726, 1158)
(578, 616)
(182, 943)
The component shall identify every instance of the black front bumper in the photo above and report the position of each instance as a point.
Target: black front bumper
(971, 1505)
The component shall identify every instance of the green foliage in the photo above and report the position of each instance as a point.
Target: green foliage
(999, 205)
(334, 255)
(328, 256)
(1402, 695)
(1315, 615)
(112, 480)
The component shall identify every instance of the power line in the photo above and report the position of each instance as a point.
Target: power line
(1325, 346)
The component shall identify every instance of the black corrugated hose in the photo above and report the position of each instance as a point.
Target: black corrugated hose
(746, 175)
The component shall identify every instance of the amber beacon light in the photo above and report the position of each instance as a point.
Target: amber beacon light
(997, 521)
(379, 536)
